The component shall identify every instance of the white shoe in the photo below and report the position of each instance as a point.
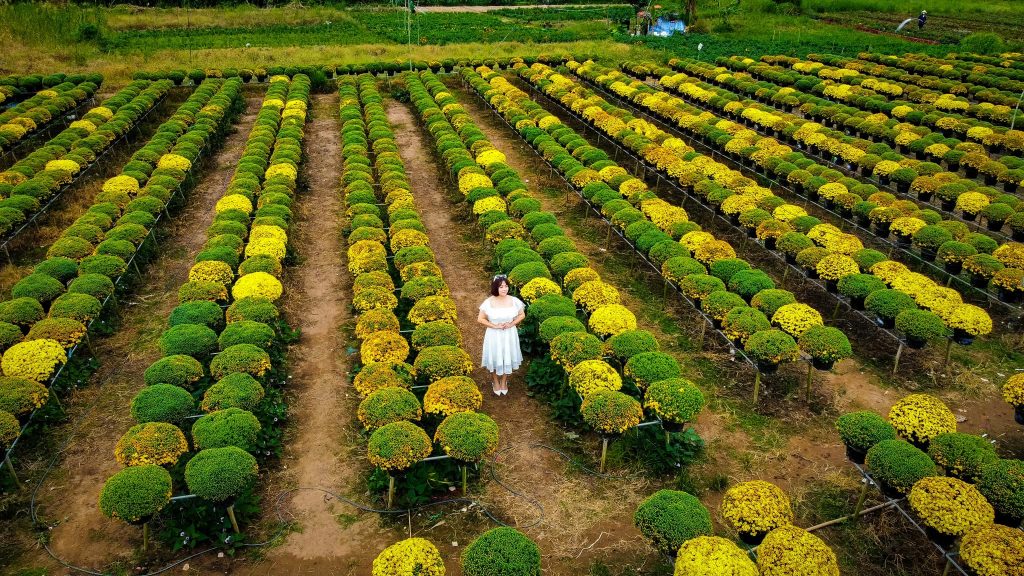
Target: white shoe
(504, 392)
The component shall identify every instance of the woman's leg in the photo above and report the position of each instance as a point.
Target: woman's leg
(495, 382)
(504, 382)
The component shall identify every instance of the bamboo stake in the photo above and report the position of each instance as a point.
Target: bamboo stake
(464, 484)
(231, 516)
(604, 452)
(391, 490)
(10, 468)
(896, 361)
(860, 501)
(810, 378)
(757, 385)
(949, 351)
(703, 330)
(145, 536)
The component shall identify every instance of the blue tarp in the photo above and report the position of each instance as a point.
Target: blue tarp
(667, 27)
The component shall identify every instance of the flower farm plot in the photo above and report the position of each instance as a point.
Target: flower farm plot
(52, 310)
(230, 358)
(835, 211)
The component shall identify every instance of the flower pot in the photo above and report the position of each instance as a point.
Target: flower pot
(751, 232)
(1018, 415)
(855, 455)
(979, 280)
(953, 166)
(734, 219)
(925, 196)
(790, 258)
(863, 221)
(752, 538)
(954, 267)
(929, 254)
(1009, 296)
(888, 491)
(970, 172)
(903, 240)
(767, 367)
(672, 426)
(1010, 187)
(798, 188)
(822, 364)
(857, 303)
(832, 286)
(810, 273)
(995, 225)
(1018, 235)
(812, 195)
(769, 243)
(885, 322)
(915, 343)
(883, 180)
(948, 205)
(903, 187)
(940, 538)
(882, 229)
(962, 337)
(969, 217)
(717, 323)
(990, 179)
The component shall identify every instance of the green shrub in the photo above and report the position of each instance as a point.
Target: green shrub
(162, 403)
(668, 518)
(550, 305)
(59, 267)
(724, 268)
(436, 333)
(629, 343)
(921, 324)
(19, 396)
(236, 390)
(9, 335)
(898, 464)
(95, 285)
(769, 301)
(859, 286)
(862, 430)
(467, 436)
(245, 358)
(386, 405)
(195, 340)
(253, 308)
(246, 332)
(227, 427)
(747, 283)
(22, 312)
(1002, 484)
(556, 325)
(107, 265)
(674, 400)
(889, 303)
(40, 287)
(180, 370)
(771, 347)
(219, 474)
(502, 551)
(825, 343)
(136, 493)
(648, 367)
(962, 456)
(201, 312)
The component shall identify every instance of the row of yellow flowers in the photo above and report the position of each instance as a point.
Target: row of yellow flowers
(378, 191)
(222, 355)
(823, 248)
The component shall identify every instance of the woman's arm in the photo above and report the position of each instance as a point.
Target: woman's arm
(519, 318)
(482, 318)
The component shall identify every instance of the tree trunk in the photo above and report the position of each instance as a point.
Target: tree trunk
(691, 12)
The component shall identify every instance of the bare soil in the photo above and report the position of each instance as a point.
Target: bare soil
(98, 412)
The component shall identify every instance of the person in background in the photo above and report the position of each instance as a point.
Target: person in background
(922, 19)
(501, 313)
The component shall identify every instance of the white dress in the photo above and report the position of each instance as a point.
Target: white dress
(501, 353)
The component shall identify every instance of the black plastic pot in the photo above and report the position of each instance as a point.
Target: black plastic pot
(885, 322)
(995, 225)
(915, 343)
(968, 217)
(857, 303)
(822, 364)
(962, 337)
(929, 254)
(752, 538)
(979, 281)
(856, 456)
(1018, 415)
(1009, 296)
(948, 205)
(954, 267)
(767, 367)
(882, 229)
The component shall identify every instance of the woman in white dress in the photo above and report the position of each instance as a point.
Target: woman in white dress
(501, 314)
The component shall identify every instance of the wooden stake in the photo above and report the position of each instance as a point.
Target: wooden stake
(896, 361)
(785, 273)
(860, 500)
(10, 468)
(608, 239)
(604, 452)
(391, 490)
(949, 351)
(835, 311)
(231, 516)
(703, 330)
(668, 438)
(757, 385)
(949, 562)
(810, 378)
(464, 490)
(145, 536)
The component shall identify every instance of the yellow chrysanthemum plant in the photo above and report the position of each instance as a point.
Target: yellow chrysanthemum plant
(1013, 391)
(993, 550)
(610, 412)
(920, 417)
(792, 551)
(411, 557)
(755, 508)
(950, 507)
(713, 556)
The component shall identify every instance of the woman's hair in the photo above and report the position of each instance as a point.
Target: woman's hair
(497, 282)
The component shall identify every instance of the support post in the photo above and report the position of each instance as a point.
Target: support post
(145, 537)
(757, 385)
(391, 490)
(703, 331)
(860, 500)
(896, 361)
(10, 468)
(465, 491)
(949, 562)
(810, 379)
(835, 311)
(231, 516)
(949, 351)
(604, 452)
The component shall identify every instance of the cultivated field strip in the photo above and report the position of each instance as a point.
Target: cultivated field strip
(21, 121)
(35, 182)
(915, 227)
(414, 366)
(52, 310)
(232, 359)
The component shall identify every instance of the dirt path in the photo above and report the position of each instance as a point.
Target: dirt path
(83, 536)
(578, 510)
(322, 445)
